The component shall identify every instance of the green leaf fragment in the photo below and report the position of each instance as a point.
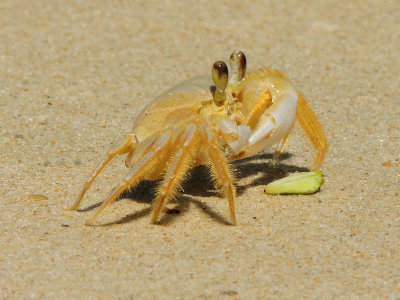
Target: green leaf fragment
(297, 183)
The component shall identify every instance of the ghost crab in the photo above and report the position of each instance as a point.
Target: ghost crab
(197, 122)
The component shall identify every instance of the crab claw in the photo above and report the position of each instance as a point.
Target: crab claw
(277, 119)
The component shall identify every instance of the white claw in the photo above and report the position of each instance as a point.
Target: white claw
(278, 120)
(235, 136)
(229, 129)
(244, 134)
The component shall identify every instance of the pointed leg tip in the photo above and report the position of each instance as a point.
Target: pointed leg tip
(154, 220)
(316, 166)
(89, 222)
(72, 207)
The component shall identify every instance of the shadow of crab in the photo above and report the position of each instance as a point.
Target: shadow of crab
(258, 169)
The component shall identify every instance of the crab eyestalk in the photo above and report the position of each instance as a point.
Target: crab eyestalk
(219, 75)
(238, 66)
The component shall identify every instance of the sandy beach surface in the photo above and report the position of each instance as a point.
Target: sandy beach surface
(75, 74)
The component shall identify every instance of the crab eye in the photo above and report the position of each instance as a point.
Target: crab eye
(238, 65)
(219, 75)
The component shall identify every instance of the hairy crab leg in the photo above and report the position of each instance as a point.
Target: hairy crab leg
(176, 170)
(310, 124)
(126, 147)
(220, 169)
(138, 172)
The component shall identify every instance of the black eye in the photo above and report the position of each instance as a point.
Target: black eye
(238, 65)
(219, 73)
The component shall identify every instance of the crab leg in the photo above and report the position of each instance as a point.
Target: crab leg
(142, 148)
(126, 147)
(176, 169)
(309, 122)
(279, 150)
(138, 172)
(220, 169)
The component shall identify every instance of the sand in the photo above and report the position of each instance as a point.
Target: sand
(75, 74)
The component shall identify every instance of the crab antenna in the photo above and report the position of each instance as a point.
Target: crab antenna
(238, 66)
(219, 75)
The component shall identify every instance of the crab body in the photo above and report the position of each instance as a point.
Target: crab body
(171, 107)
(210, 122)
